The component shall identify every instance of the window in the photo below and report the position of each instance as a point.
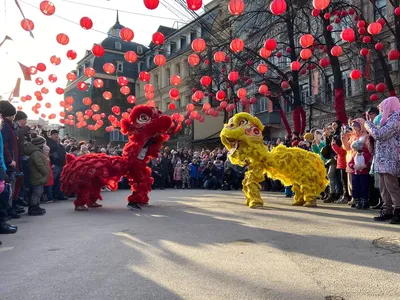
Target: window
(139, 50)
(379, 9)
(178, 69)
(173, 48)
(156, 82)
(183, 42)
(167, 76)
(118, 46)
(116, 136)
(193, 36)
(120, 67)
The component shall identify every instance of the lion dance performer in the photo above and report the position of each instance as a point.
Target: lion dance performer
(147, 129)
(305, 171)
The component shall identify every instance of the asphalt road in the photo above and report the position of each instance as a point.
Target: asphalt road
(197, 244)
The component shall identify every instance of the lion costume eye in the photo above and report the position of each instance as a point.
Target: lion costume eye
(143, 118)
(255, 131)
(243, 122)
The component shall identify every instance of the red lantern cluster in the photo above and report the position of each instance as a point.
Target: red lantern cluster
(219, 56)
(262, 68)
(348, 35)
(355, 74)
(175, 80)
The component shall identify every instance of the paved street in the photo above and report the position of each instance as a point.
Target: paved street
(194, 245)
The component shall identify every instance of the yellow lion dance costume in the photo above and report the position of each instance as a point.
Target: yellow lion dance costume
(295, 167)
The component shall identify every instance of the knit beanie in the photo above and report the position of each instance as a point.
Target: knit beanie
(20, 116)
(53, 131)
(38, 141)
(7, 109)
(308, 136)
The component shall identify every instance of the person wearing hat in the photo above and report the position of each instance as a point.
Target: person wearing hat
(11, 153)
(57, 159)
(39, 170)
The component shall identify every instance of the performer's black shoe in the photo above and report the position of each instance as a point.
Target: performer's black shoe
(133, 206)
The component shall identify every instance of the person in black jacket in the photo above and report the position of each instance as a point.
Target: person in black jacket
(230, 180)
(57, 159)
(166, 166)
(156, 173)
(210, 175)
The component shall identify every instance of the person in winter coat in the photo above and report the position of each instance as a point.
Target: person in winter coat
(178, 175)
(341, 165)
(57, 158)
(194, 173)
(39, 172)
(360, 163)
(387, 158)
(47, 196)
(185, 175)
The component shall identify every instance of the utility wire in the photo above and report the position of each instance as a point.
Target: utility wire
(175, 10)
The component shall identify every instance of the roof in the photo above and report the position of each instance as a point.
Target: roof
(110, 43)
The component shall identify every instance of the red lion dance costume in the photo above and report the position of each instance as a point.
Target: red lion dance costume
(147, 129)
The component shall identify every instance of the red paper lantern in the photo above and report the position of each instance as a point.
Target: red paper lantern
(159, 60)
(144, 76)
(206, 80)
(27, 25)
(52, 78)
(107, 95)
(71, 54)
(148, 88)
(116, 110)
(278, 7)
(237, 45)
(158, 38)
(81, 86)
(370, 87)
(44, 90)
(270, 44)
(32, 70)
(171, 106)
(55, 60)
(262, 68)
(109, 68)
(198, 96)
(336, 51)
(59, 91)
(86, 23)
(233, 76)
(90, 72)
(194, 4)
(151, 4)
(41, 67)
(265, 53)
(131, 99)
(321, 4)
(305, 54)
(126, 34)
(87, 101)
(236, 7)
(393, 54)
(175, 80)
(306, 40)
(69, 100)
(219, 56)
(364, 51)
(98, 83)
(374, 97)
(324, 62)
(355, 74)
(199, 45)
(125, 90)
(374, 28)
(315, 12)
(190, 107)
(379, 46)
(285, 85)
(39, 81)
(263, 89)
(122, 81)
(130, 56)
(220, 95)
(295, 66)
(397, 11)
(98, 50)
(62, 39)
(174, 94)
(348, 35)
(193, 59)
(366, 39)
(380, 87)
(94, 108)
(241, 93)
(47, 8)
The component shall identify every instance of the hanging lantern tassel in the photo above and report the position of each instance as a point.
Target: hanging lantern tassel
(23, 15)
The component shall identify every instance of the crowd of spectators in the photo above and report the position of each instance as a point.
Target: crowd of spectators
(362, 161)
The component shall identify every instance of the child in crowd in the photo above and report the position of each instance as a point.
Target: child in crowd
(200, 173)
(178, 175)
(360, 163)
(185, 175)
(47, 196)
(193, 170)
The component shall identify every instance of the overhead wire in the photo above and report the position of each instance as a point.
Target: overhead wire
(177, 11)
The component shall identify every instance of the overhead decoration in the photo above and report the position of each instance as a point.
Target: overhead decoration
(270, 44)
(175, 80)
(98, 50)
(144, 76)
(306, 40)
(159, 60)
(219, 56)
(151, 4)
(52, 78)
(131, 99)
(125, 90)
(265, 53)
(262, 68)
(158, 38)
(206, 80)
(71, 54)
(355, 74)
(174, 94)
(295, 66)
(126, 34)
(278, 7)
(109, 68)
(89, 72)
(194, 4)
(193, 59)
(348, 35)
(199, 45)
(336, 51)
(122, 81)
(47, 8)
(98, 83)
(71, 76)
(55, 60)
(237, 45)
(62, 39)
(236, 7)
(305, 54)
(130, 56)
(86, 23)
(27, 25)
(374, 28)
(107, 95)
(321, 4)
(41, 67)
